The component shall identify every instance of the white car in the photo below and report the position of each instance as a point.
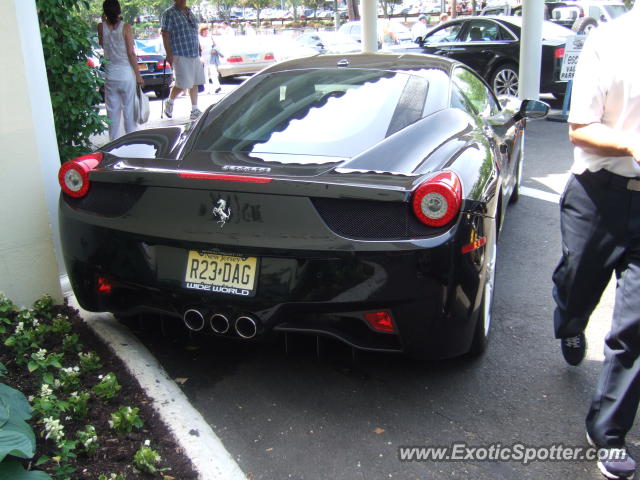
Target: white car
(242, 55)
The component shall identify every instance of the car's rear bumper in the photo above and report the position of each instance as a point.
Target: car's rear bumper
(156, 80)
(432, 294)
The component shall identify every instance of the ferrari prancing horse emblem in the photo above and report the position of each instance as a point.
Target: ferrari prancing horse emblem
(219, 212)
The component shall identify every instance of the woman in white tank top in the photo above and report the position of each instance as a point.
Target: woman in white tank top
(122, 69)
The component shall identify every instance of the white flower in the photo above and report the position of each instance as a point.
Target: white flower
(99, 377)
(45, 390)
(30, 398)
(54, 429)
(19, 327)
(147, 443)
(56, 383)
(40, 355)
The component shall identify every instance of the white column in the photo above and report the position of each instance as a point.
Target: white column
(531, 49)
(28, 160)
(369, 12)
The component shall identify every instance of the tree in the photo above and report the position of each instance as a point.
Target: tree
(131, 9)
(388, 6)
(352, 6)
(73, 84)
(258, 5)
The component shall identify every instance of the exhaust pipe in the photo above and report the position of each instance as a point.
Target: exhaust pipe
(219, 323)
(193, 320)
(246, 327)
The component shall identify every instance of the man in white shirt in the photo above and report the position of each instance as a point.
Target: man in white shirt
(419, 29)
(600, 222)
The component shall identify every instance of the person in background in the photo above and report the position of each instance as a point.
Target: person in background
(122, 73)
(206, 48)
(179, 28)
(419, 29)
(444, 17)
(226, 29)
(600, 226)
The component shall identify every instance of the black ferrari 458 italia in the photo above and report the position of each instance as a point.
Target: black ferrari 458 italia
(358, 197)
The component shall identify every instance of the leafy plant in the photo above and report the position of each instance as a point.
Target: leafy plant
(113, 476)
(16, 436)
(78, 404)
(145, 459)
(125, 419)
(108, 387)
(44, 306)
(89, 440)
(61, 325)
(71, 343)
(89, 362)
(72, 82)
(69, 378)
(41, 361)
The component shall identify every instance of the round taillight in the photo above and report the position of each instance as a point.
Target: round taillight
(74, 174)
(437, 201)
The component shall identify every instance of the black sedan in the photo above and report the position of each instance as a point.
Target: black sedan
(358, 197)
(491, 46)
(156, 73)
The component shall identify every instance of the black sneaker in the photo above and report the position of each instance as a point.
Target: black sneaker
(574, 349)
(615, 463)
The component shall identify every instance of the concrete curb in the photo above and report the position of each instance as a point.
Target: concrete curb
(192, 432)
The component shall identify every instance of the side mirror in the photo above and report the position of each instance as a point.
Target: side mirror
(533, 109)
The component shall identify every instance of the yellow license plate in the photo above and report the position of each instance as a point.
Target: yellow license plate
(143, 67)
(220, 273)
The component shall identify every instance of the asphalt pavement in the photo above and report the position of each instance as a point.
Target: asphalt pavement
(317, 410)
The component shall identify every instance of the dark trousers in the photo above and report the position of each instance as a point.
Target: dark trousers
(600, 223)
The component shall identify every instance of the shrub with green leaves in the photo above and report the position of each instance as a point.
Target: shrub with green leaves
(44, 306)
(113, 476)
(6, 307)
(146, 459)
(79, 404)
(89, 362)
(108, 386)
(89, 440)
(73, 84)
(125, 420)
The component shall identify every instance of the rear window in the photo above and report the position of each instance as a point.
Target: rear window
(322, 112)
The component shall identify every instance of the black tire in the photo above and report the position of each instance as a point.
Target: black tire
(483, 323)
(162, 92)
(584, 25)
(223, 80)
(505, 81)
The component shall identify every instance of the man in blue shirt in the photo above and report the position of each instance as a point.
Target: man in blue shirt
(179, 28)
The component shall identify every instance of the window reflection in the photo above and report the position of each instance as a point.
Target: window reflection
(326, 112)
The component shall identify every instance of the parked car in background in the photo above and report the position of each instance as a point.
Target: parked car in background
(328, 42)
(583, 16)
(242, 55)
(491, 46)
(580, 16)
(391, 33)
(357, 197)
(155, 71)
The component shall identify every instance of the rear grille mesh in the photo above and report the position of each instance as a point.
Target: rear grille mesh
(372, 220)
(108, 199)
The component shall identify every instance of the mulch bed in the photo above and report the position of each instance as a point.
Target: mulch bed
(116, 452)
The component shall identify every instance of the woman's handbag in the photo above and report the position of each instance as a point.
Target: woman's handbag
(140, 106)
